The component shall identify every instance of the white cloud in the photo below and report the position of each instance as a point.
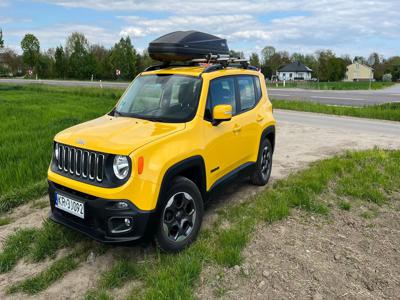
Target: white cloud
(346, 26)
(204, 7)
(5, 20)
(57, 35)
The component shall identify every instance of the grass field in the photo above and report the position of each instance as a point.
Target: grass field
(389, 111)
(340, 85)
(352, 179)
(31, 116)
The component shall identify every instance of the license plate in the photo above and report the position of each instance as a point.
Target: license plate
(71, 206)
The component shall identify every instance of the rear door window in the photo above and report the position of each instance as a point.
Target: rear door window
(246, 92)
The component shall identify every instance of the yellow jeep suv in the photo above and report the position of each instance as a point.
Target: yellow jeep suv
(146, 168)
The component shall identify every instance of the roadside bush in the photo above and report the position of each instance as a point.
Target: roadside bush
(387, 77)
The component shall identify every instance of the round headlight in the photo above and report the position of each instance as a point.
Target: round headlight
(56, 152)
(121, 166)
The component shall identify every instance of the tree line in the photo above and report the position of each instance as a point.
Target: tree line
(325, 64)
(78, 59)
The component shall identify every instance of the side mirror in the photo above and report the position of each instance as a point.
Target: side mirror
(222, 113)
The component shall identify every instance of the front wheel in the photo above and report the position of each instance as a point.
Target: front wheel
(263, 167)
(181, 216)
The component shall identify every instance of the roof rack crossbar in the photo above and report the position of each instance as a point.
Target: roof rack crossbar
(218, 61)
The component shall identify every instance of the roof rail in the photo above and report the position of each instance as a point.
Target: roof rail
(218, 61)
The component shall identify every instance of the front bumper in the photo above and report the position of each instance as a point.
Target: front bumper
(98, 212)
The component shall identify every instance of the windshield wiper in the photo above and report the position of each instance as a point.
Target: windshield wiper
(118, 114)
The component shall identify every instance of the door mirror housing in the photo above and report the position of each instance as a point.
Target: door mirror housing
(222, 113)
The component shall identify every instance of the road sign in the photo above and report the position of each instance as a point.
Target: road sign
(118, 72)
(30, 72)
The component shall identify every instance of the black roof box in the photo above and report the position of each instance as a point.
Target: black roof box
(186, 45)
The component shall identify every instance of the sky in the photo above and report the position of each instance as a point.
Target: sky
(356, 28)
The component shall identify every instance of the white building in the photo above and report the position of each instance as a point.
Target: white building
(294, 71)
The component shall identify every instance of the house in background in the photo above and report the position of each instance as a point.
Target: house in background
(294, 71)
(358, 72)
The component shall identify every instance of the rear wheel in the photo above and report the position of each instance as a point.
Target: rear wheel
(181, 216)
(262, 171)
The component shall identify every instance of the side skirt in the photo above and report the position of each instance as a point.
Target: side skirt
(242, 170)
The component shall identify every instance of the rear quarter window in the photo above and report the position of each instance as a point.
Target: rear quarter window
(257, 85)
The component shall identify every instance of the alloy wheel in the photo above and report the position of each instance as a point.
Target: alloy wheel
(179, 216)
(266, 158)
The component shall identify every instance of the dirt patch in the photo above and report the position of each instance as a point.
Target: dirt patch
(24, 216)
(309, 257)
(297, 146)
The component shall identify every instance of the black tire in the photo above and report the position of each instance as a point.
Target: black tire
(181, 215)
(263, 168)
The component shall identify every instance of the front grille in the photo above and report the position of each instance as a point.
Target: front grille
(80, 163)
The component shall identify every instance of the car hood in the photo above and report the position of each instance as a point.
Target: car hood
(116, 135)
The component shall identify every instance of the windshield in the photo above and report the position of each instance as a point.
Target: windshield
(162, 98)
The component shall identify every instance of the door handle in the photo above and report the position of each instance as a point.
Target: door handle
(237, 128)
(259, 118)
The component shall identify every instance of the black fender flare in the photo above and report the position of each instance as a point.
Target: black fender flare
(196, 161)
(270, 130)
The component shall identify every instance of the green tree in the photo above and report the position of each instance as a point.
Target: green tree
(60, 64)
(45, 67)
(393, 67)
(101, 56)
(81, 64)
(31, 50)
(74, 40)
(266, 54)
(143, 61)
(1, 39)
(13, 61)
(276, 61)
(376, 62)
(238, 54)
(255, 60)
(123, 58)
(298, 57)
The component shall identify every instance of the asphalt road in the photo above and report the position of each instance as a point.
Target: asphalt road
(374, 127)
(105, 84)
(349, 98)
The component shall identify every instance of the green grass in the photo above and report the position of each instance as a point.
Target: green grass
(344, 205)
(389, 111)
(52, 237)
(370, 176)
(340, 85)
(57, 269)
(32, 115)
(363, 176)
(120, 273)
(5, 221)
(37, 244)
(44, 279)
(15, 247)
(375, 171)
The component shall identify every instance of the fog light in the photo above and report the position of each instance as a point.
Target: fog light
(121, 205)
(120, 224)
